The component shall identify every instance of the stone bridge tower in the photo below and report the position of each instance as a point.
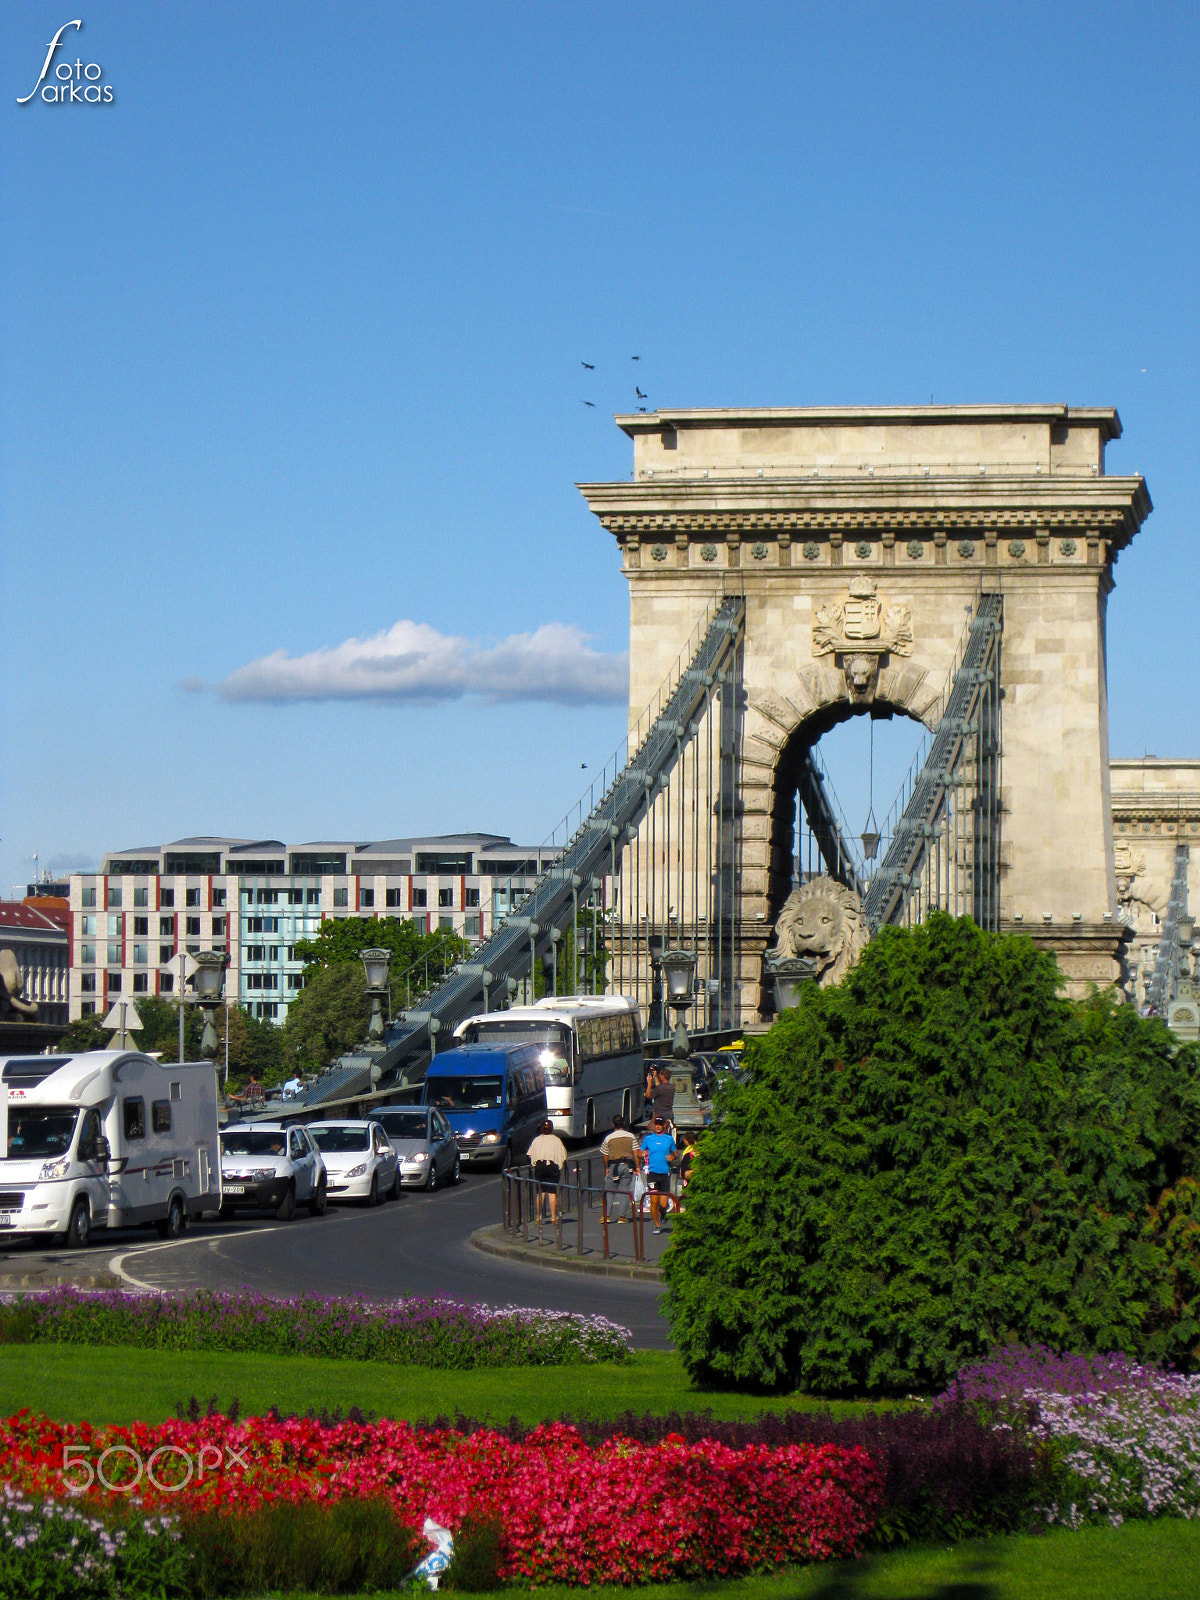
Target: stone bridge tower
(901, 515)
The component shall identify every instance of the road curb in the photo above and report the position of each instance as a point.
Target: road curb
(18, 1282)
(493, 1241)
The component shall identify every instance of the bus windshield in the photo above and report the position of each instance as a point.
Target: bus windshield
(554, 1038)
(35, 1132)
(460, 1092)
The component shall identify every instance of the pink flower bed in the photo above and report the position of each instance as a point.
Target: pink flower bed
(622, 1512)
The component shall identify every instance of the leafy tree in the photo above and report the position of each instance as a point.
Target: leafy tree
(327, 1018)
(85, 1033)
(160, 1028)
(341, 941)
(255, 1046)
(936, 1156)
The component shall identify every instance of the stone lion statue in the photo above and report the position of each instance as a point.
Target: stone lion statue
(823, 921)
(11, 984)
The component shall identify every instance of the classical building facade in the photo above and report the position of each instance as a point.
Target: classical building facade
(37, 938)
(255, 899)
(862, 540)
(1156, 808)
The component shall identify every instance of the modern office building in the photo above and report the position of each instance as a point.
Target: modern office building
(256, 898)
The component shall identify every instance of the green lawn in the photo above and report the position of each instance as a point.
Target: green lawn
(1141, 1561)
(124, 1384)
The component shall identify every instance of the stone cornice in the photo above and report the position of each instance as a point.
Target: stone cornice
(1114, 506)
(1105, 417)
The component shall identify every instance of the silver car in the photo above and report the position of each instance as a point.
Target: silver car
(425, 1143)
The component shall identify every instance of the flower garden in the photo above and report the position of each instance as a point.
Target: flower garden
(201, 1505)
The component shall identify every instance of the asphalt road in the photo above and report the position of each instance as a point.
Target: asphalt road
(418, 1244)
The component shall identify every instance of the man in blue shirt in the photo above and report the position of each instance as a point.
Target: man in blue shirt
(658, 1150)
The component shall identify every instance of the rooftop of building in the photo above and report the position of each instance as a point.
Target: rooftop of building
(16, 915)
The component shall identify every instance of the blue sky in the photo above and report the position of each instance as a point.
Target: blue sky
(292, 344)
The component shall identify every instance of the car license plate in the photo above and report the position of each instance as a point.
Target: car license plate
(8, 1219)
(234, 1188)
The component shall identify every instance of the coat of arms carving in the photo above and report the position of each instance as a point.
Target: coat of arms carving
(859, 629)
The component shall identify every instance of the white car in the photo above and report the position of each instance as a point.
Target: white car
(268, 1165)
(359, 1159)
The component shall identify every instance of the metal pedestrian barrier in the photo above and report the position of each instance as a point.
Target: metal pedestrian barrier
(582, 1211)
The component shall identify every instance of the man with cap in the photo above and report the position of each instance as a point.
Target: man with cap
(658, 1152)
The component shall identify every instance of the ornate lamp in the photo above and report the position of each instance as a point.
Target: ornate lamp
(679, 968)
(208, 983)
(375, 967)
(788, 974)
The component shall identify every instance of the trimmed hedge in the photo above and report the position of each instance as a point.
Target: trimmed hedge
(938, 1156)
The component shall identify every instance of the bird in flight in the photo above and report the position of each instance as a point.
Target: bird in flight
(591, 403)
(635, 358)
(590, 365)
(638, 392)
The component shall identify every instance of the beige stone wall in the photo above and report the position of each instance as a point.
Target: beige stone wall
(929, 506)
(1155, 807)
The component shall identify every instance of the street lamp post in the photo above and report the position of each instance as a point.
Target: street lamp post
(209, 983)
(679, 967)
(375, 969)
(654, 948)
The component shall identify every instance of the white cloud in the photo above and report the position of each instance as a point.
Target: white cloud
(414, 662)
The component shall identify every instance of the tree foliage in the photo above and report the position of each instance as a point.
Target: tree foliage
(342, 940)
(327, 1018)
(939, 1155)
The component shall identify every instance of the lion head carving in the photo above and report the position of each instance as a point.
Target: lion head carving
(824, 921)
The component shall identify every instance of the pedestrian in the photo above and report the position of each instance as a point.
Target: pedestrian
(658, 1152)
(548, 1154)
(662, 1097)
(619, 1153)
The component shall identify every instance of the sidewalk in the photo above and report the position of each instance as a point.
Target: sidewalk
(582, 1243)
(24, 1272)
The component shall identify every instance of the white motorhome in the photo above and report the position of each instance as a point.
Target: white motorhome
(109, 1139)
(591, 1053)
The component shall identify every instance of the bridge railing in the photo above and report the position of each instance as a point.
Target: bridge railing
(944, 829)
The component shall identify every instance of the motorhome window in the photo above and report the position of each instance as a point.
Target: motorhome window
(176, 1089)
(252, 1142)
(88, 1135)
(134, 1112)
(337, 1141)
(160, 1116)
(404, 1124)
(35, 1132)
(31, 1069)
(460, 1092)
